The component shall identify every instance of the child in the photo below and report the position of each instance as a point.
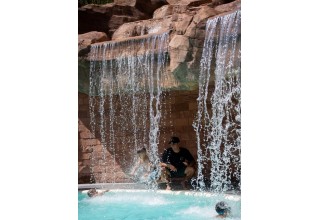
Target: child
(142, 169)
(145, 171)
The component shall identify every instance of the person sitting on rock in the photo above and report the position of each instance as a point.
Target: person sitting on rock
(179, 162)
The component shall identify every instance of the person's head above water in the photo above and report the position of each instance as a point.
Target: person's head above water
(222, 208)
(92, 192)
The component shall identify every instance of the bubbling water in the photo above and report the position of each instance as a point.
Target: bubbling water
(217, 123)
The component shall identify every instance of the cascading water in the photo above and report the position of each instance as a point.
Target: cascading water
(124, 98)
(217, 123)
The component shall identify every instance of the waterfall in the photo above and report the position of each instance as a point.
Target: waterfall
(124, 98)
(217, 123)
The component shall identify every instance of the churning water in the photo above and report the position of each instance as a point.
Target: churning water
(153, 205)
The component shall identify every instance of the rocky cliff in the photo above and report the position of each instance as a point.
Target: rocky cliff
(184, 20)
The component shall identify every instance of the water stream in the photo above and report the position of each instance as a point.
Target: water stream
(217, 123)
(124, 98)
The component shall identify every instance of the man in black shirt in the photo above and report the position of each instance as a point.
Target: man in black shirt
(179, 161)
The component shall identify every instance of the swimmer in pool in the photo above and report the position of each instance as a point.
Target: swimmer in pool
(94, 192)
(222, 209)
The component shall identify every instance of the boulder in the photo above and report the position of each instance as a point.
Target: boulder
(106, 18)
(85, 40)
(220, 2)
(188, 2)
(178, 49)
(198, 31)
(117, 20)
(125, 2)
(204, 13)
(145, 6)
(228, 7)
(181, 24)
(163, 11)
(144, 27)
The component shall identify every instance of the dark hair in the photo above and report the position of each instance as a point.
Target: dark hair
(174, 140)
(141, 150)
(91, 192)
(222, 207)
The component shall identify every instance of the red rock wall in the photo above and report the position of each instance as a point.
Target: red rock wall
(113, 167)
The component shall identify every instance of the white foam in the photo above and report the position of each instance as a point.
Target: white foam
(198, 211)
(187, 193)
(148, 199)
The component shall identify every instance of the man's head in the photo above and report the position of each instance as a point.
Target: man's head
(174, 140)
(92, 192)
(222, 208)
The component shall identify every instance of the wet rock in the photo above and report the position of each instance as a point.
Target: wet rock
(234, 5)
(144, 27)
(85, 40)
(178, 50)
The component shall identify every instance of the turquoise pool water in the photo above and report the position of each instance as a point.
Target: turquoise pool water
(142, 205)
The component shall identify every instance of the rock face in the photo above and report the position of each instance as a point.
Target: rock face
(106, 18)
(145, 6)
(140, 28)
(85, 40)
(179, 48)
(195, 33)
(163, 12)
(185, 20)
(188, 2)
(231, 5)
(137, 46)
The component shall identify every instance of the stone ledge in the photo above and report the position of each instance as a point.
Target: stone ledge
(112, 186)
(136, 48)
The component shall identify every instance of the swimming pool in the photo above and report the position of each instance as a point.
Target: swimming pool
(161, 204)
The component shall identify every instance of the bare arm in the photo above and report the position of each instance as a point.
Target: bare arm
(135, 167)
(171, 167)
